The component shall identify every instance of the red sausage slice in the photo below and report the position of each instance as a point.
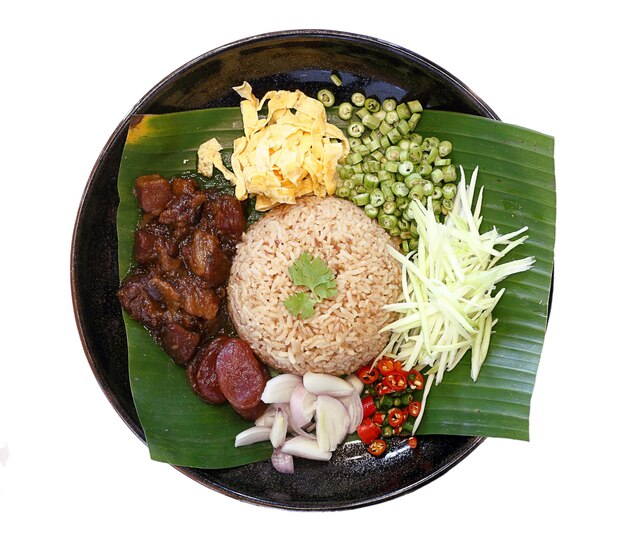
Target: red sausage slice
(201, 372)
(240, 375)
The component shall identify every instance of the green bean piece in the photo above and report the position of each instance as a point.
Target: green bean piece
(326, 98)
(415, 106)
(392, 166)
(370, 121)
(437, 193)
(442, 161)
(403, 128)
(432, 154)
(358, 99)
(362, 149)
(402, 202)
(370, 181)
(373, 145)
(384, 175)
(394, 135)
(413, 121)
(404, 155)
(346, 172)
(414, 154)
(345, 111)
(372, 104)
(361, 112)
(389, 207)
(357, 168)
(404, 144)
(342, 191)
(430, 143)
(436, 176)
(384, 142)
(405, 246)
(385, 128)
(445, 148)
(449, 173)
(425, 169)
(403, 225)
(356, 129)
(389, 104)
(449, 190)
(407, 215)
(428, 188)
(357, 177)
(360, 189)
(370, 211)
(377, 154)
(447, 204)
(413, 230)
(400, 189)
(406, 168)
(354, 142)
(366, 140)
(361, 199)
(417, 191)
(377, 198)
(388, 222)
(336, 79)
(415, 138)
(436, 206)
(413, 244)
(392, 153)
(394, 231)
(392, 117)
(349, 184)
(353, 193)
(403, 111)
(388, 192)
(353, 158)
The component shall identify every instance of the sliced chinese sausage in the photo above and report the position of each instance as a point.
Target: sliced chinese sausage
(241, 377)
(251, 414)
(202, 374)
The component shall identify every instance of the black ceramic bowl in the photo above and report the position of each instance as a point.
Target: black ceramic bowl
(285, 60)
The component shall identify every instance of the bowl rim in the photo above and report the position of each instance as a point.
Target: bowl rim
(138, 108)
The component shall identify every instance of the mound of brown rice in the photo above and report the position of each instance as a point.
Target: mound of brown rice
(342, 335)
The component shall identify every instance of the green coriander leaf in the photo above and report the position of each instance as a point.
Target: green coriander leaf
(301, 304)
(310, 272)
(325, 290)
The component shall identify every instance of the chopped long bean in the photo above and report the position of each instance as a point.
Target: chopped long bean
(390, 164)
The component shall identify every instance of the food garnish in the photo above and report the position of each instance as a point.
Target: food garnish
(291, 152)
(447, 288)
(315, 275)
(389, 165)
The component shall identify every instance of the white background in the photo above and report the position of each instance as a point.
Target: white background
(72, 474)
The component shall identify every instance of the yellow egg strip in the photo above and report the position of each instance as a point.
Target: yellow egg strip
(290, 153)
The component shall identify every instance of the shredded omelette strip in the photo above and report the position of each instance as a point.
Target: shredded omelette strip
(292, 152)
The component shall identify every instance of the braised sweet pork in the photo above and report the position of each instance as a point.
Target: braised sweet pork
(183, 248)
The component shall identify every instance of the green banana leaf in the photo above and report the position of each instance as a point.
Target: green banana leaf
(516, 167)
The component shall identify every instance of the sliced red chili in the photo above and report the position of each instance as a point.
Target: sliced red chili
(386, 366)
(412, 442)
(367, 374)
(415, 408)
(395, 417)
(369, 407)
(368, 431)
(378, 418)
(397, 430)
(396, 381)
(383, 389)
(377, 447)
(405, 413)
(416, 380)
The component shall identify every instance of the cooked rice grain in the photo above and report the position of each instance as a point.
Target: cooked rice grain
(342, 335)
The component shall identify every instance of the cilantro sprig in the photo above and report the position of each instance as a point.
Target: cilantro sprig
(312, 273)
